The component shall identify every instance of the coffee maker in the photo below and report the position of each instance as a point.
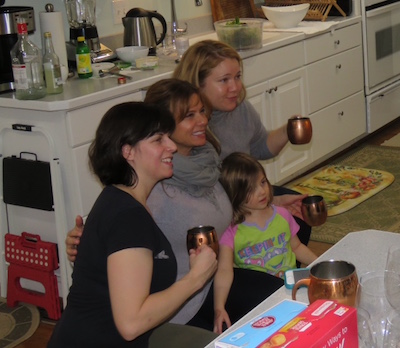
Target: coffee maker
(81, 16)
(8, 38)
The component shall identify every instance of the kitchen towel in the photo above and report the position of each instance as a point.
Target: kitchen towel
(53, 22)
(306, 27)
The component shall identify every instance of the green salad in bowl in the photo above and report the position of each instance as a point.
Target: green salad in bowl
(240, 33)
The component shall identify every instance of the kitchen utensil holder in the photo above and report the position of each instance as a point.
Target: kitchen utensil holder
(31, 258)
(319, 9)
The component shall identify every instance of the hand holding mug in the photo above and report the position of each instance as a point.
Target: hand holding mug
(200, 235)
(314, 210)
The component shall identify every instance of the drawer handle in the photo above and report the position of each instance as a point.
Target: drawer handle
(337, 42)
(341, 113)
(274, 89)
(339, 66)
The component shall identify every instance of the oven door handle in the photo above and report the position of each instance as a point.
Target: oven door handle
(382, 10)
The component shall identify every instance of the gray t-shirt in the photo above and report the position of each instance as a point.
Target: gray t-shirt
(240, 131)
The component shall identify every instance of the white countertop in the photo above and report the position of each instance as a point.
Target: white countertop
(82, 92)
(367, 250)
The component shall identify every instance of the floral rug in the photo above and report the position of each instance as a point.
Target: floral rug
(381, 211)
(17, 324)
(343, 187)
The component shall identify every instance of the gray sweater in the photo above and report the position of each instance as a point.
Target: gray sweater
(175, 212)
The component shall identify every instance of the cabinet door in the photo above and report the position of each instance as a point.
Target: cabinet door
(276, 100)
(337, 125)
(258, 96)
(288, 98)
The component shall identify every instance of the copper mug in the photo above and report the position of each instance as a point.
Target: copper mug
(314, 210)
(299, 130)
(331, 280)
(200, 235)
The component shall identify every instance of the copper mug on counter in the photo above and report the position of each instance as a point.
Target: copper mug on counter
(199, 235)
(331, 280)
(299, 130)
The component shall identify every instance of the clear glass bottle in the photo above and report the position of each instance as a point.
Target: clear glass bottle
(26, 60)
(83, 60)
(52, 69)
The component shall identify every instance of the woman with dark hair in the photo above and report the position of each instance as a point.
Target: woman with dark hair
(124, 279)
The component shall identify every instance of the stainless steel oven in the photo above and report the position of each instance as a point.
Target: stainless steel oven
(381, 44)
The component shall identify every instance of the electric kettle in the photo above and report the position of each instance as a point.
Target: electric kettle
(139, 29)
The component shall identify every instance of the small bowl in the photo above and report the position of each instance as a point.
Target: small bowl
(131, 53)
(245, 35)
(299, 130)
(286, 16)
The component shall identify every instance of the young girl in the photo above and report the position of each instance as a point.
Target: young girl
(262, 237)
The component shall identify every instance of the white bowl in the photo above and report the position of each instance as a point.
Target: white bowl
(285, 16)
(131, 53)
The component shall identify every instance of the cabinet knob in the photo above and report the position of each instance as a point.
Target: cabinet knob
(340, 113)
(337, 42)
(339, 66)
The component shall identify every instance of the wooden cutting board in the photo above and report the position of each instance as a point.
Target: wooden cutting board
(225, 9)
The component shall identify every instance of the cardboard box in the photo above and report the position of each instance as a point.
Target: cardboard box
(259, 328)
(324, 324)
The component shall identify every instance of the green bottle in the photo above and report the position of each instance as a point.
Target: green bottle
(51, 64)
(83, 60)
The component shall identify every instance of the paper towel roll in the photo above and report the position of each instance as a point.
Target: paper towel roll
(53, 22)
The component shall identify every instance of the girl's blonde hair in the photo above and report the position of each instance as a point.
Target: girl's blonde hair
(174, 95)
(239, 176)
(201, 58)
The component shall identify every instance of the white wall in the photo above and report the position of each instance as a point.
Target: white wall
(104, 17)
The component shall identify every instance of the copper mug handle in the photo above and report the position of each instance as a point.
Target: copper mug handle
(301, 282)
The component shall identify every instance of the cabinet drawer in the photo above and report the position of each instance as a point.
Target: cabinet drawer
(335, 41)
(82, 123)
(337, 125)
(270, 64)
(334, 78)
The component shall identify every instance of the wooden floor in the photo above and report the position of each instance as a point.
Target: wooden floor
(43, 333)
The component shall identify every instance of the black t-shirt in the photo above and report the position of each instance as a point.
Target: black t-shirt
(117, 221)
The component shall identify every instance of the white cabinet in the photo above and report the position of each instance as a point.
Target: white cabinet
(276, 100)
(335, 90)
(321, 77)
(81, 127)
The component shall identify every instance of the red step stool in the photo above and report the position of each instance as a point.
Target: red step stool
(31, 258)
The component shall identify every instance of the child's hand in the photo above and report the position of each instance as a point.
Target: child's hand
(221, 317)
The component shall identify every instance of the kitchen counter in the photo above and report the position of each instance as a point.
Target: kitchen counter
(84, 92)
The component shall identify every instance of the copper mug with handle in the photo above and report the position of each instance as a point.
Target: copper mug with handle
(199, 235)
(331, 280)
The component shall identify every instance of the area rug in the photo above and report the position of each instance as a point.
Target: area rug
(380, 212)
(343, 187)
(17, 324)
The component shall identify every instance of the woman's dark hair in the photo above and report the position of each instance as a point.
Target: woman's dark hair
(239, 174)
(125, 124)
(174, 95)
